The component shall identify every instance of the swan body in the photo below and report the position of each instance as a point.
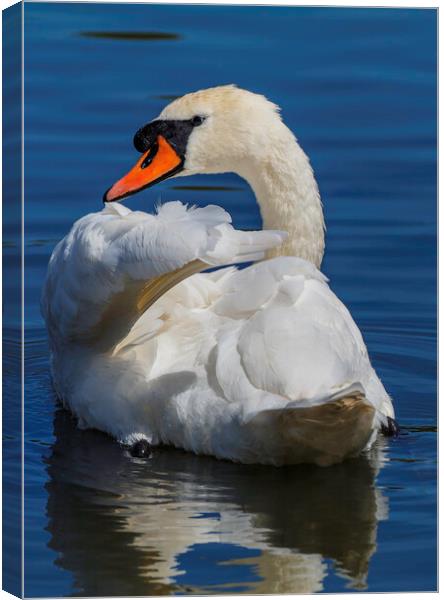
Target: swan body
(258, 365)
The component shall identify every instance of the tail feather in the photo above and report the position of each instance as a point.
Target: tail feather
(325, 433)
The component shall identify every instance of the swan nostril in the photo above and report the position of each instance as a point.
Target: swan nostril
(151, 154)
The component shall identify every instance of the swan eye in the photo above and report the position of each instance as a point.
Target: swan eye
(197, 120)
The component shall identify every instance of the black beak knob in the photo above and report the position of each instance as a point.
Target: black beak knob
(146, 136)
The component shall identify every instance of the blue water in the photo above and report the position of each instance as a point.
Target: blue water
(358, 87)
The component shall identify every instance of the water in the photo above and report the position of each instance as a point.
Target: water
(358, 87)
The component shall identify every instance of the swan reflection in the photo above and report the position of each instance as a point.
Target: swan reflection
(182, 523)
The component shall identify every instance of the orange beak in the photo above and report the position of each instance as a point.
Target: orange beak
(158, 163)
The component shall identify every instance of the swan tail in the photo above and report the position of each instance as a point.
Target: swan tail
(325, 433)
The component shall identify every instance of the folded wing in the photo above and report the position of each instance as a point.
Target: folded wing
(114, 264)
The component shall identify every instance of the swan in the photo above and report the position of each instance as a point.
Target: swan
(258, 365)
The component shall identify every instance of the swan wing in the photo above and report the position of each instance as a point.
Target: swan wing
(294, 344)
(117, 262)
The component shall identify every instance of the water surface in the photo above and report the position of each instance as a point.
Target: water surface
(358, 86)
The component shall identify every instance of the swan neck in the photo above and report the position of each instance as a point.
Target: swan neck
(288, 198)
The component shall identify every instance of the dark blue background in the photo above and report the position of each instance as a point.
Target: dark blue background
(358, 87)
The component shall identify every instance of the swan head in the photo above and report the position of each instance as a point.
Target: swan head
(216, 130)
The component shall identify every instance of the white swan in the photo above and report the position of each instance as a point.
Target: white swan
(261, 365)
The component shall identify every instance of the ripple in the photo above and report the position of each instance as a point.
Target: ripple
(421, 429)
(42, 242)
(151, 36)
(169, 97)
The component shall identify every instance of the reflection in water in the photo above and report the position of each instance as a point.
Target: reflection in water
(179, 522)
(132, 35)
